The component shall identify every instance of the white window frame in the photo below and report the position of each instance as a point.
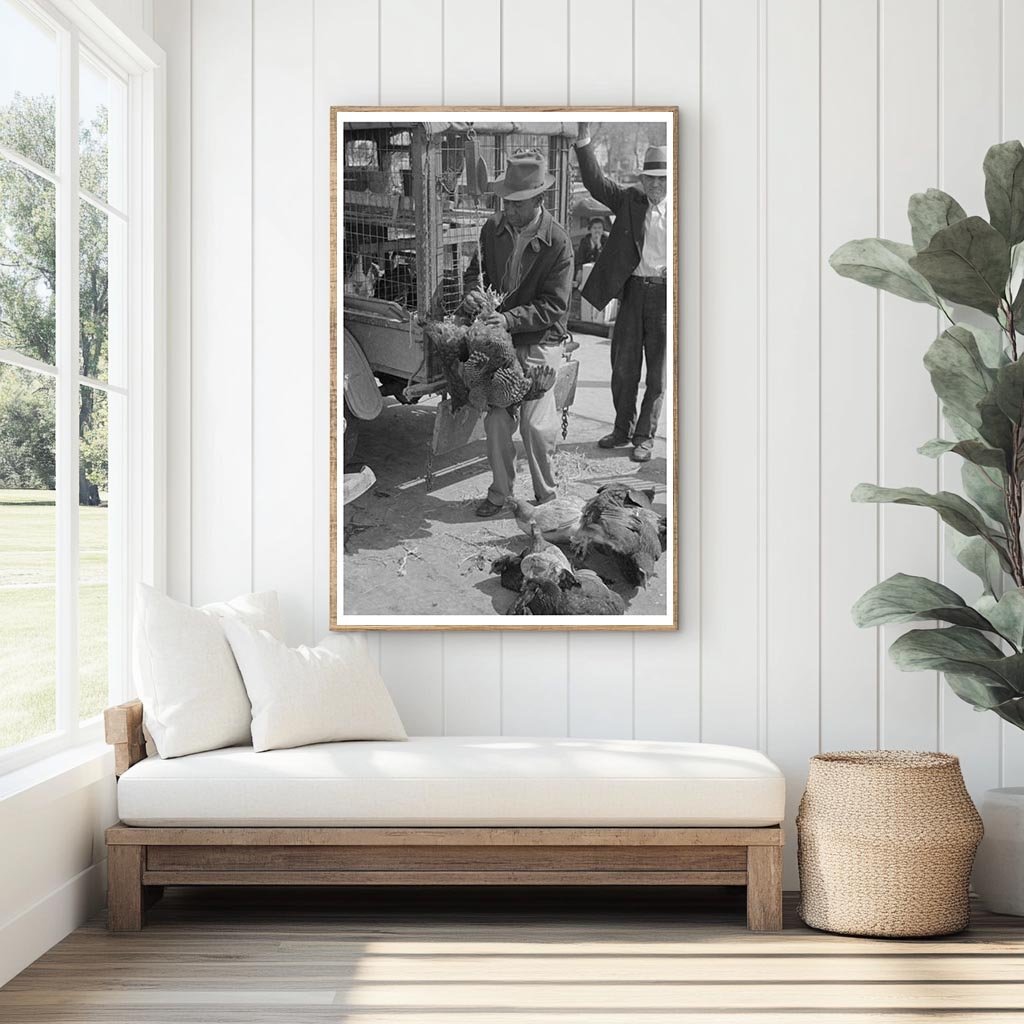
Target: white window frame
(141, 64)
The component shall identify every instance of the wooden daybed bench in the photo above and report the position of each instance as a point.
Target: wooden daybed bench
(444, 811)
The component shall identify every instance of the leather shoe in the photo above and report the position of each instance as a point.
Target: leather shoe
(642, 451)
(487, 508)
(613, 440)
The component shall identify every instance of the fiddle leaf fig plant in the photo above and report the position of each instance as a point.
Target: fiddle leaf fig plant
(977, 373)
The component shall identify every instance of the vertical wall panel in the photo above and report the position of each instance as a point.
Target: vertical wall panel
(173, 30)
(1012, 127)
(411, 68)
(351, 30)
(472, 52)
(729, 359)
(221, 372)
(535, 675)
(472, 75)
(968, 125)
(413, 671)
(283, 308)
(533, 54)
(667, 665)
(909, 414)
(600, 667)
(601, 685)
(792, 417)
(597, 75)
(472, 684)
(411, 63)
(534, 692)
(849, 372)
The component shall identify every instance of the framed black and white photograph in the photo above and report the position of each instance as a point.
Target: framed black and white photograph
(504, 395)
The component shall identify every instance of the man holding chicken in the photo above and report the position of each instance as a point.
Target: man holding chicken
(527, 256)
(634, 264)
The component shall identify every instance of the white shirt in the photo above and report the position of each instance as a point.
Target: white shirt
(654, 258)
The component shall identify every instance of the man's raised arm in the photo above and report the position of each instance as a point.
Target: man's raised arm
(603, 189)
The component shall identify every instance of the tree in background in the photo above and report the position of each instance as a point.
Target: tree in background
(28, 285)
(625, 143)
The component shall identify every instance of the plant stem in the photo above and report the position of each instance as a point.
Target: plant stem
(1012, 496)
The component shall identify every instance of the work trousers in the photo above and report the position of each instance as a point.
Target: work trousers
(538, 427)
(639, 335)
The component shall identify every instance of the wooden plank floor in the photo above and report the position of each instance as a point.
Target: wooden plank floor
(219, 956)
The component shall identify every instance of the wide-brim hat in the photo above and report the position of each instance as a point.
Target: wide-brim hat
(656, 162)
(526, 175)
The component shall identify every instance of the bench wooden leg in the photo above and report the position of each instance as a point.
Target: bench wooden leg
(125, 896)
(764, 888)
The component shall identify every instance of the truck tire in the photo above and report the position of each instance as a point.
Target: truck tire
(351, 435)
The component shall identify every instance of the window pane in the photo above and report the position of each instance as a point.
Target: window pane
(28, 263)
(101, 103)
(28, 85)
(28, 545)
(93, 551)
(101, 282)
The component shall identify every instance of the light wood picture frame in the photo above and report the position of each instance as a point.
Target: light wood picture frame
(416, 441)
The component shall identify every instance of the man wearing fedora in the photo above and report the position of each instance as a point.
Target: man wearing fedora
(526, 255)
(634, 264)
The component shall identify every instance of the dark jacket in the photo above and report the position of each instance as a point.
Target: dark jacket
(625, 242)
(538, 309)
(587, 252)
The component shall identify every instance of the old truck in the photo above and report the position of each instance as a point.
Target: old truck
(413, 197)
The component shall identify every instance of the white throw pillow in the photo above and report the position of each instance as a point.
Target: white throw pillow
(192, 693)
(309, 694)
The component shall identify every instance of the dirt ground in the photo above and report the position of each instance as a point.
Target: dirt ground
(413, 548)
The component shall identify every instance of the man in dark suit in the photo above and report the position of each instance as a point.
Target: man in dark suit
(527, 255)
(633, 264)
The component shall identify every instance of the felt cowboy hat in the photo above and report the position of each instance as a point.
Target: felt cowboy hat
(656, 162)
(526, 175)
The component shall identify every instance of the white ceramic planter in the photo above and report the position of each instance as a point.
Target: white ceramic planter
(999, 866)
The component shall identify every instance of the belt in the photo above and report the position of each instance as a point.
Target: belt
(648, 279)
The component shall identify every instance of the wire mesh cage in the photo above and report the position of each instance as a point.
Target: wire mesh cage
(415, 201)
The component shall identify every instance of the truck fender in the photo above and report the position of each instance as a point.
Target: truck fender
(362, 395)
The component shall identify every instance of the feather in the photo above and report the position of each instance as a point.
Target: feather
(508, 568)
(613, 523)
(558, 519)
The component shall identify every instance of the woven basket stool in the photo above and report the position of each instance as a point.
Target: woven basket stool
(885, 842)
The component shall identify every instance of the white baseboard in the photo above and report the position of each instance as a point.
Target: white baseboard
(26, 937)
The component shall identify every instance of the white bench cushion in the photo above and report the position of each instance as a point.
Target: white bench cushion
(459, 780)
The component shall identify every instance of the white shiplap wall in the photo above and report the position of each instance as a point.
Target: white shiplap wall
(804, 123)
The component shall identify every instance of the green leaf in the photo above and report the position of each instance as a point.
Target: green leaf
(963, 652)
(980, 692)
(883, 264)
(985, 487)
(952, 509)
(1006, 614)
(1004, 189)
(1011, 711)
(958, 372)
(962, 430)
(1009, 390)
(903, 598)
(996, 428)
(973, 451)
(1016, 308)
(967, 263)
(932, 211)
(990, 345)
(976, 555)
